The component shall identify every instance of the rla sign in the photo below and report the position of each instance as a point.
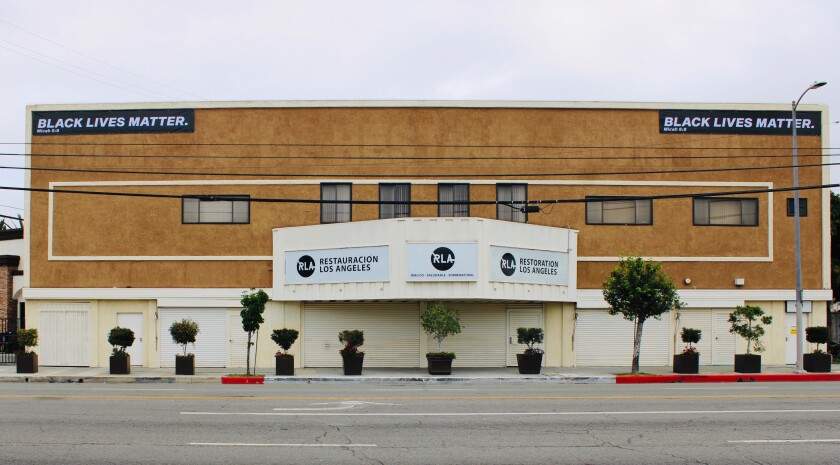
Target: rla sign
(443, 258)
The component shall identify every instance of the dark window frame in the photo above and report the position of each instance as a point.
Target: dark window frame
(349, 201)
(511, 184)
(453, 205)
(589, 199)
(742, 199)
(803, 206)
(215, 198)
(406, 204)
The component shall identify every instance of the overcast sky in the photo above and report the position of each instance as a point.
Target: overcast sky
(728, 51)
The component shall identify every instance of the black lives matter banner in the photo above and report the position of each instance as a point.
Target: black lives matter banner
(112, 122)
(808, 123)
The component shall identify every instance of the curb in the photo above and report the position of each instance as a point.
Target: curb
(728, 378)
(442, 379)
(243, 379)
(111, 379)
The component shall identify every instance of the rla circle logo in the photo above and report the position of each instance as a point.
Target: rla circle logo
(305, 266)
(508, 264)
(443, 258)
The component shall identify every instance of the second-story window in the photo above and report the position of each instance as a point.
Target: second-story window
(725, 212)
(218, 209)
(394, 200)
(335, 202)
(512, 198)
(453, 200)
(619, 211)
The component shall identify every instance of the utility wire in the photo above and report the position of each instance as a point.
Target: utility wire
(416, 175)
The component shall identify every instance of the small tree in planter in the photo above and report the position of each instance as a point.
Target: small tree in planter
(184, 332)
(440, 321)
(818, 361)
(253, 307)
(27, 361)
(351, 357)
(746, 322)
(688, 362)
(284, 361)
(530, 361)
(120, 338)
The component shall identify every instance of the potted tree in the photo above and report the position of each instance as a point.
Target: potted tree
(530, 361)
(27, 361)
(746, 322)
(818, 361)
(120, 338)
(184, 332)
(351, 357)
(284, 361)
(440, 321)
(688, 362)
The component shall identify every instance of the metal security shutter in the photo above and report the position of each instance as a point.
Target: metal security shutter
(483, 339)
(602, 339)
(63, 334)
(210, 344)
(392, 333)
(697, 319)
(521, 318)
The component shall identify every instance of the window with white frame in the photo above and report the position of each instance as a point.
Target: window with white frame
(511, 198)
(335, 202)
(453, 200)
(619, 211)
(216, 209)
(394, 200)
(725, 212)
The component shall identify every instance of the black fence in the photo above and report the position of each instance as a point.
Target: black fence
(8, 340)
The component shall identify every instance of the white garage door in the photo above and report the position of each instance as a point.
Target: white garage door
(602, 339)
(483, 339)
(63, 334)
(392, 333)
(717, 344)
(210, 345)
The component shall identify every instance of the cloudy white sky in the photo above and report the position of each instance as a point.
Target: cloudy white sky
(750, 51)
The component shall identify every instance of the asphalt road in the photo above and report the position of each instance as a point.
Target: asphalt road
(366, 423)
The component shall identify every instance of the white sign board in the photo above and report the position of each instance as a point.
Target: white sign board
(442, 262)
(349, 265)
(514, 265)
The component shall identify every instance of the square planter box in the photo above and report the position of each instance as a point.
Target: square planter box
(688, 364)
(439, 365)
(816, 363)
(27, 363)
(284, 365)
(529, 364)
(184, 365)
(352, 365)
(747, 363)
(120, 365)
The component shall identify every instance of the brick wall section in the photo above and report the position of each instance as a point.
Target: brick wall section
(8, 305)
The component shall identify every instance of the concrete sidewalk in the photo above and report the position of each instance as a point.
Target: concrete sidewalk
(564, 375)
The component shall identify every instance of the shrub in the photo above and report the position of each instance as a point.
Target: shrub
(27, 338)
(284, 338)
(745, 323)
(440, 321)
(184, 332)
(690, 336)
(352, 339)
(120, 338)
(817, 335)
(529, 337)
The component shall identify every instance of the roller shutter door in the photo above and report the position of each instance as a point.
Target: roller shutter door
(210, 345)
(63, 334)
(602, 339)
(522, 318)
(392, 333)
(483, 339)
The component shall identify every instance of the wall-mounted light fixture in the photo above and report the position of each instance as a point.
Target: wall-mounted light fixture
(739, 282)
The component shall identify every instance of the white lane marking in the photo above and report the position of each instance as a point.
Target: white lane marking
(246, 444)
(714, 388)
(491, 414)
(777, 441)
(344, 405)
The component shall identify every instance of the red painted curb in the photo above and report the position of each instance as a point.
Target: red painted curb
(728, 378)
(243, 380)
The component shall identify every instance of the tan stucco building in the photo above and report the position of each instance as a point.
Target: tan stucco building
(354, 215)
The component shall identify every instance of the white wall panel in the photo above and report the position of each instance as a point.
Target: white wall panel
(210, 346)
(63, 334)
(602, 339)
(483, 339)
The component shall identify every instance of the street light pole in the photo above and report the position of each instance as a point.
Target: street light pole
(800, 336)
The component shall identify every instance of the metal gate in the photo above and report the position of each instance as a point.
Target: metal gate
(8, 340)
